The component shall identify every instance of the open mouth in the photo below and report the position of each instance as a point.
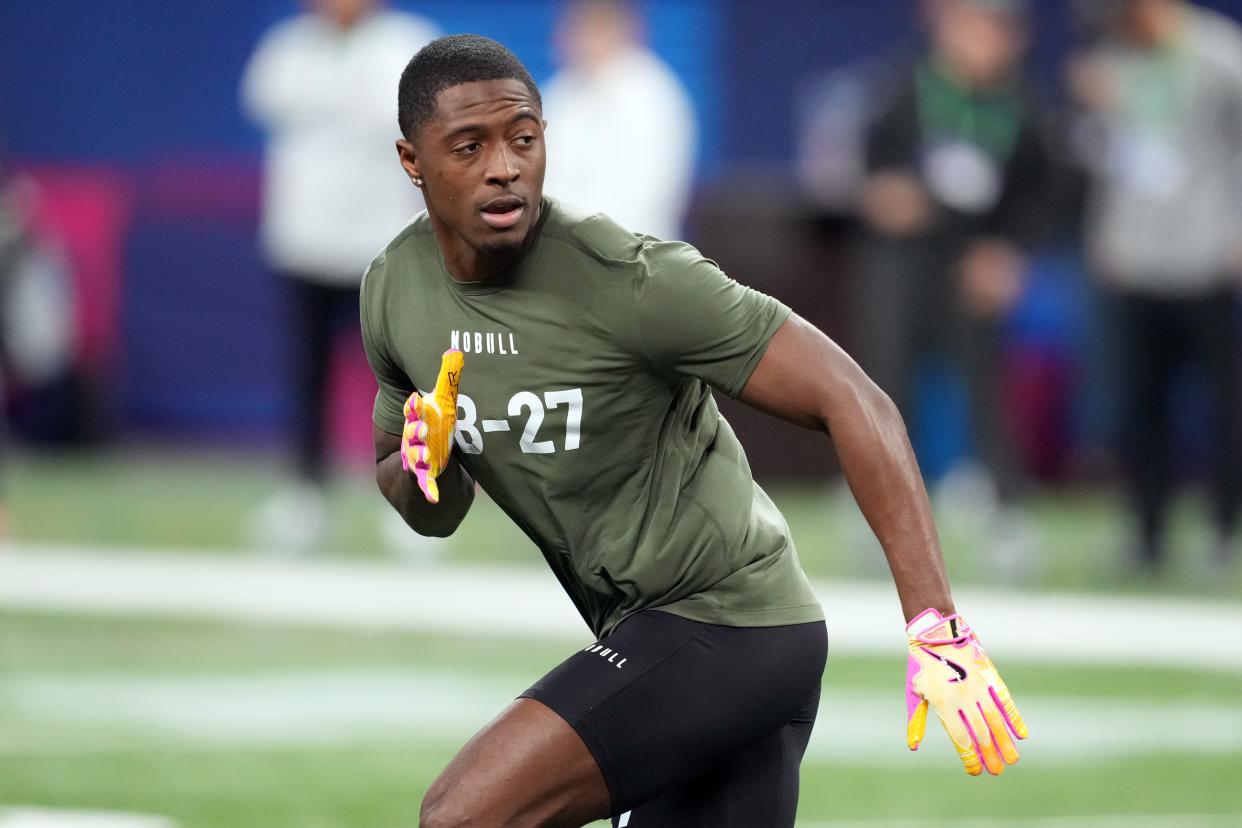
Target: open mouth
(503, 213)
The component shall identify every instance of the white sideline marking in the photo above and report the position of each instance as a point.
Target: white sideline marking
(50, 818)
(1063, 730)
(526, 602)
(328, 709)
(1095, 821)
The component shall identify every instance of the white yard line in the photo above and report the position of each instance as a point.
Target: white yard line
(511, 602)
(55, 818)
(327, 709)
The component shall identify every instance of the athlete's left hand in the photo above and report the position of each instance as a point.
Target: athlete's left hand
(950, 671)
(430, 419)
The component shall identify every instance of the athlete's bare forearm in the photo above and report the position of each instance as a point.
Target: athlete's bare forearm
(401, 490)
(806, 379)
(881, 470)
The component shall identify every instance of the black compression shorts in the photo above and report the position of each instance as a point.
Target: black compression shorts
(694, 724)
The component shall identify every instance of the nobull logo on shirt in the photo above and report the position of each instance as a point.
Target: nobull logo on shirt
(485, 342)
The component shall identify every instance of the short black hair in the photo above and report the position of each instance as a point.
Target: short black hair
(448, 61)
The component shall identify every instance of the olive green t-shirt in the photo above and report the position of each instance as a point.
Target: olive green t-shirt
(585, 413)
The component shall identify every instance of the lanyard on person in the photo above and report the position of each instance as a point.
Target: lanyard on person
(947, 111)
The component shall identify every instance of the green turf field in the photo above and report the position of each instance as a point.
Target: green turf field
(232, 726)
(190, 720)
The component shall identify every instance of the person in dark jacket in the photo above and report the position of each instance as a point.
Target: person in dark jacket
(956, 193)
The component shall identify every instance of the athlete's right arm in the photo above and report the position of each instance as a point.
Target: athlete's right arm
(400, 487)
(432, 502)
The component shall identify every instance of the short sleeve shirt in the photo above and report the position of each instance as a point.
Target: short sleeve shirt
(586, 413)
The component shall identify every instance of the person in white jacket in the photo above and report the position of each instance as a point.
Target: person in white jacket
(621, 126)
(320, 87)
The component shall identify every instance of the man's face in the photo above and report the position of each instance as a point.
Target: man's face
(983, 45)
(343, 13)
(1146, 22)
(482, 161)
(590, 34)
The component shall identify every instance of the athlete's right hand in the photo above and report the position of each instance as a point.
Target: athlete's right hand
(430, 419)
(951, 672)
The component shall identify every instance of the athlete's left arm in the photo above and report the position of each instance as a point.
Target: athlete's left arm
(806, 378)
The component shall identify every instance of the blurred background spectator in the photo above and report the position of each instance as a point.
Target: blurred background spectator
(960, 180)
(1162, 89)
(322, 88)
(621, 128)
(37, 339)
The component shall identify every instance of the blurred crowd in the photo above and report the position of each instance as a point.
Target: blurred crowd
(963, 174)
(954, 170)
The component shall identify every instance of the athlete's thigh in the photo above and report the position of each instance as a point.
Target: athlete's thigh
(663, 700)
(758, 785)
(526, 768)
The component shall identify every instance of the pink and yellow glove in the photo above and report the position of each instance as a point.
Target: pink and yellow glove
(427, 438)
(950, 671)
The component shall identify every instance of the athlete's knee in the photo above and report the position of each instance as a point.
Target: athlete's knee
(444, 807)
(440, 809)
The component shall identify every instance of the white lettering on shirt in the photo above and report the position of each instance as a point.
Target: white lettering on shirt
(503, 343)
